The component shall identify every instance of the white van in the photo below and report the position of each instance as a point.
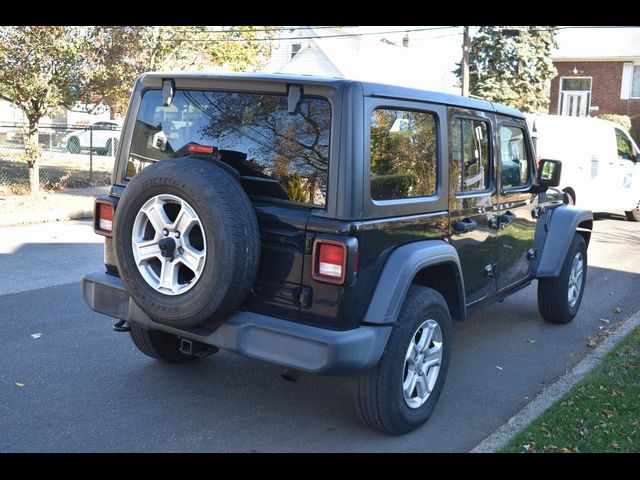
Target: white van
(600, 161)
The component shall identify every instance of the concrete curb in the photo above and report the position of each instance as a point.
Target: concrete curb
(42, 216)
(555, 391)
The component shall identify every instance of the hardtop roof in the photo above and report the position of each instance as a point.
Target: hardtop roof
(368, 88)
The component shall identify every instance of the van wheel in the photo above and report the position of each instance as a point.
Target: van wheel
(571, 194)
(159, 345)
(400, 392)
(634, 215)
(559, 298)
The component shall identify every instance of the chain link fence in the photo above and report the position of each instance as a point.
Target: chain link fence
(70, 157)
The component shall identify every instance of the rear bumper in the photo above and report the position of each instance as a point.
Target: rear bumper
(286, 343)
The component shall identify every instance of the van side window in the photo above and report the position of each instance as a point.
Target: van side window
(513, 157)
(469, 154)
(403, 154)
(625, 150)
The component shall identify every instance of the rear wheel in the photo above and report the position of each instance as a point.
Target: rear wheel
(401, 391)
(159, 345)
(634, 215)
(559, 298)
(112, 146)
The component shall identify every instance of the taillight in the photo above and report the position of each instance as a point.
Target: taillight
(103, 217)
(329, 261)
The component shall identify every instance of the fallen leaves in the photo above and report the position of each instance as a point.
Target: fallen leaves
(20, 385)
(617, 310)
(531, 341)
(35, 335)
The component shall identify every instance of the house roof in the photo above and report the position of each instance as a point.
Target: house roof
(360, 58)
(593, 44)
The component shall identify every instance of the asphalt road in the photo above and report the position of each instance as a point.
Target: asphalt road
(88, 389)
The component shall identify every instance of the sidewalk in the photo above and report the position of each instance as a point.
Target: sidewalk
(54, 206)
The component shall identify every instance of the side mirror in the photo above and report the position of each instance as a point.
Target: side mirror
(549, 173)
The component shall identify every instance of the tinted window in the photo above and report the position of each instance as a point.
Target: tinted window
(403, 154)
(513, 157)
(469, 154)
(277, 155)
(625, 150)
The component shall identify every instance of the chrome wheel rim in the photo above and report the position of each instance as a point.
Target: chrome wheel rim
(422, 364)
(169, 244)
(575, 279)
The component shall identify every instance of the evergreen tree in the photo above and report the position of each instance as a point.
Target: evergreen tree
(512, 65)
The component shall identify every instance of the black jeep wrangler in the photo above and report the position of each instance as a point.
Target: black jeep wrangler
(328, 226)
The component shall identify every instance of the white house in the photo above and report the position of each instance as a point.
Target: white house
(337, 53)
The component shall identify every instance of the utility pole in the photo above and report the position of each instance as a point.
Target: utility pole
(466, 46)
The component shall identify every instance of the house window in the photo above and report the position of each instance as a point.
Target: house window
(295, 48)
(575, 96)
(635, 83)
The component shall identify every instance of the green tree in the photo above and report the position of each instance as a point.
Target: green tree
(512, 65)
(41, 68)
(121, 53)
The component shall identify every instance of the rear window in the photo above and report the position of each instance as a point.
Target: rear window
(277, 155)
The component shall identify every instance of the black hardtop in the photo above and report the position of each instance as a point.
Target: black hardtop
(369, 89)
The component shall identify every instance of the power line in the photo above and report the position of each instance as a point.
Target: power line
(304, 37)
(341, 35)
(246, 30)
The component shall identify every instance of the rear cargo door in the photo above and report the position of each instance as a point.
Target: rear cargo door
(277, 290)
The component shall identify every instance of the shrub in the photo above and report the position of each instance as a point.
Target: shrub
(390, 186)
(623, 120)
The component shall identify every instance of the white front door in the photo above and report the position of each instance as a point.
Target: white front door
(574, 104)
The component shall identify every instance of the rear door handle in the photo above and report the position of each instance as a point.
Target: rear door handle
(465, 225)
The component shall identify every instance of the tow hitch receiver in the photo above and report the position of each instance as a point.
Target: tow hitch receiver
(197, 349)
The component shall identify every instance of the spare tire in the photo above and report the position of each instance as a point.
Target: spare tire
(187, 242)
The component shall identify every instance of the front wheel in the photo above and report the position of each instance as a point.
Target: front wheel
(73, 145)
(559, 298)
(159, 345)
(400, 392)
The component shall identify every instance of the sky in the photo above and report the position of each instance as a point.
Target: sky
(441, 46)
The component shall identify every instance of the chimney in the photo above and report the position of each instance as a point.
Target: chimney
(405, 40)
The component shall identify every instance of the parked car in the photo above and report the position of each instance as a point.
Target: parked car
(101, 137)
(327, 226)
(600, 169)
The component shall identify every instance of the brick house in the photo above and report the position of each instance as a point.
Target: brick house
(598, 72)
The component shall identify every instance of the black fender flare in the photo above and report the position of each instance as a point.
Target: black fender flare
(400, 269)
(560, 228)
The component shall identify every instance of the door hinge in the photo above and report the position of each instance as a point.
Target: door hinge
(304, 298)
(308, 242)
